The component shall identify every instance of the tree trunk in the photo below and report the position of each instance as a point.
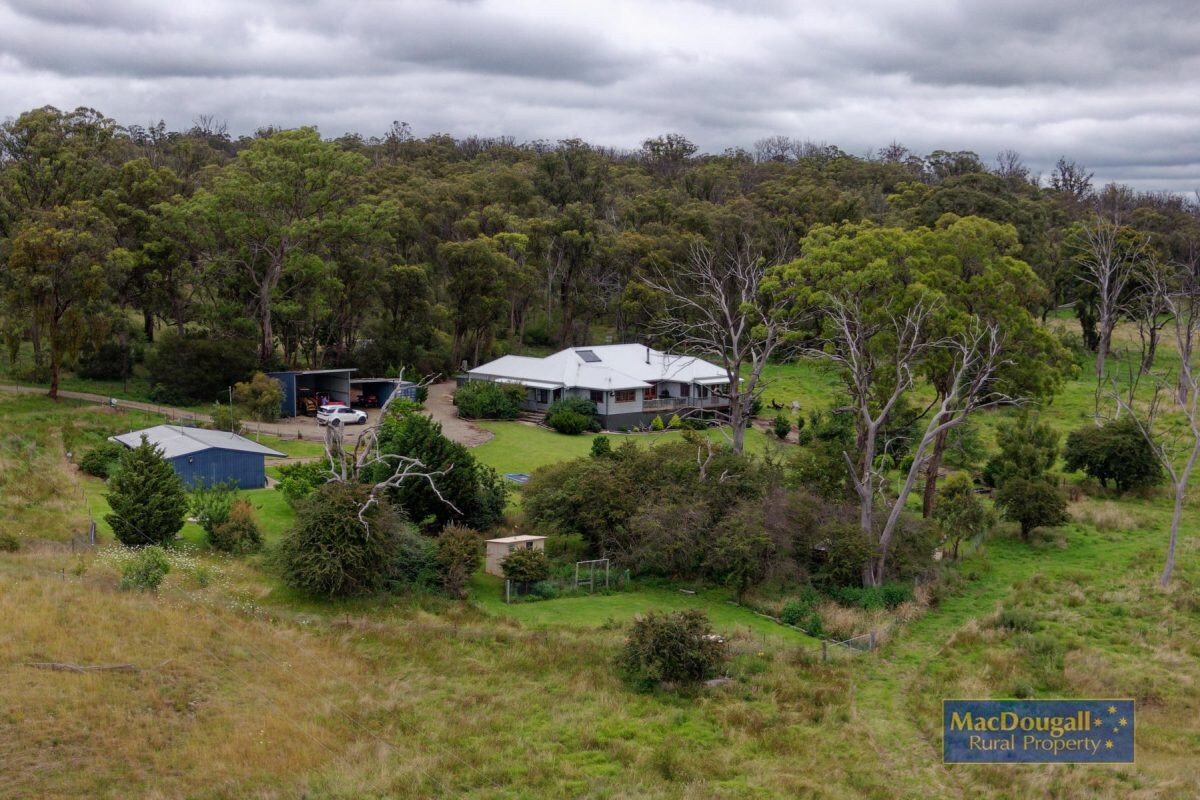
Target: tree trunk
(55, 364)
(148, 324)
(266, 351)
(1102, 352)
(1151, 349)
(932, 466)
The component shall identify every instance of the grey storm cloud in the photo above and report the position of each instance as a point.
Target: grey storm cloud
(1111, 84)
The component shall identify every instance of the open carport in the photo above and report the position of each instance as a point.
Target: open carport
(376, 392)
(304, 390)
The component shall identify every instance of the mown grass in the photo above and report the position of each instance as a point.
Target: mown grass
(619, 607)
(518, 447)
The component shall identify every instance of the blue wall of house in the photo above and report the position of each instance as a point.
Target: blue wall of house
(217, 466)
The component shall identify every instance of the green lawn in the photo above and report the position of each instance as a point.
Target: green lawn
(518, 447)
(594, 611)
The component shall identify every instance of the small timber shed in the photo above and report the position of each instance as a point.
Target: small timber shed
(305, 390)
(498, 550)
(204, 457)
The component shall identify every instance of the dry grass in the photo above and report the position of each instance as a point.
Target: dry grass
(1105, 515)
(221, 701)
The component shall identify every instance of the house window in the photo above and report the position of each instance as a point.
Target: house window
(512, 547)
(624, 396)
(597, 397)
(650, 393)
(702, 392)
(685, 390)
(529, 545)
(543, 396)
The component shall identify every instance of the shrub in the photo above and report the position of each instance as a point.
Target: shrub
(239, 533)
(420, 395)
(102, 460)
(416, 561)
(1016, 619)
(9, 543)
(580, 405)
(459, 554)
(330, 552)
(109, 361)
(146, 570)
(186, 369)
(802, 613)
(656, 424)
(959, 511)
(526, 566)
(1115, 452)
(1032, 504)
(298, 481)
(679, 647)
(601, 447)
(888, 595)
(225, 418)
(474, 489)
(675, 423)
(1028, 449)
(568, 422)
(489, 400)
(782, 426)
(147, 498)
(211, 505)
(261, 396)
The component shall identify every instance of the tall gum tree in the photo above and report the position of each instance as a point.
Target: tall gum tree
(890, 309)
(57, 274)
(265, 213)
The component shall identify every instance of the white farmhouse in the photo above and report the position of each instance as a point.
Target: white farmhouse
(629, 383)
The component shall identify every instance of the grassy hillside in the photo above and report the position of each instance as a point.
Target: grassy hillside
(246, 690)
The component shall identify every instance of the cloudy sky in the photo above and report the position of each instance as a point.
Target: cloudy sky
(1111, 83)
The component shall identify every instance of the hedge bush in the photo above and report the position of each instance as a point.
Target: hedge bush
(101, 461)
(568, 422)
(146, 570)
(488, 400)
(239, 533)
(678, 647)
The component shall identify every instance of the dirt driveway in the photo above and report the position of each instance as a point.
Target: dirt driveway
(441, 408)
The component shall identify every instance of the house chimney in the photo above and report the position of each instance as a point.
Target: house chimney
(647, 354)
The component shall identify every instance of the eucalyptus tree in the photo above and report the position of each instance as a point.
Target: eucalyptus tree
(57, 276)
(887, 305)
(266, 214)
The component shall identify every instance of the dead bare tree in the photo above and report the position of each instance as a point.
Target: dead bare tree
(1170, 421)
(718, 307)
(851, 346)
(353, 465)
(1109, 255)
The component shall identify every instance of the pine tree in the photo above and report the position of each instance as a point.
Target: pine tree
(147, 498)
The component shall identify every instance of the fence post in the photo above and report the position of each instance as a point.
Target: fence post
(507, 591)
(824, 650)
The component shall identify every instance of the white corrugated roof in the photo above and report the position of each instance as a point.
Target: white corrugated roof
(619, 366)
(175, 441)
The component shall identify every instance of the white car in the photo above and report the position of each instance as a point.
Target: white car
(340, 415)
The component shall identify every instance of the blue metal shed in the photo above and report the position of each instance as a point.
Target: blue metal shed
(204, 457)
(299, 385)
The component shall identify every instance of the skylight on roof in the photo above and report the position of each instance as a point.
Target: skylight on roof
(589, 356)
